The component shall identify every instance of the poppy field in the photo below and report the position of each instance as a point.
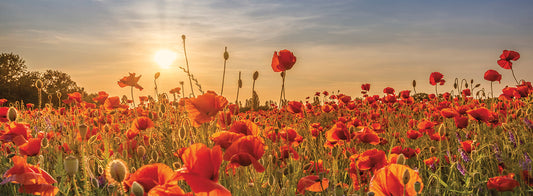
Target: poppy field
(387, 142)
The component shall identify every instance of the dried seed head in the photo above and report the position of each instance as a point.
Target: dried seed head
(137, 189)
(12, 114)
(116, 171)
(400, 159)
(406, 176)
(141, 151)
(226, 54)
(256, 75)
(71, 165)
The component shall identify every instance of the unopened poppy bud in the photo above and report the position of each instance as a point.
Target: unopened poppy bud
(116, 171)
(157, 75)
(95, 182)
(418, 186)
(432, 149)
(240, 83)
(141, 151)
(256, 75)
(414, 83)
(181, 83)
(163, 109)
(151, 115)
(44, 142)
(83, 130)
(39, 84)
(455, 85)
(370, 193)
(442, 129)
(137, 189)
(12, 114)
(71, 165)
(226, 54)
(406, 176)
(183, 37)
(400, 159)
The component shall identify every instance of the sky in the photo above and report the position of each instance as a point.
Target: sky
(339, 45)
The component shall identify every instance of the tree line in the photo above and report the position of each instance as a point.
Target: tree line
(17, 83)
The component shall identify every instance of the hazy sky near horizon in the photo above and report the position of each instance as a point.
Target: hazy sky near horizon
(339, 45)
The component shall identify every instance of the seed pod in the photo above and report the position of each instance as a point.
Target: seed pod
(370, 193)
(418, 186)
(141, 151)
(400, 159)
(116, 171)
(256, 75)
(39, 84)
(83, 130)
(137, 189)
(71, 165)
(226, 54)
(12, 114)
(406, 176)
(163, 108)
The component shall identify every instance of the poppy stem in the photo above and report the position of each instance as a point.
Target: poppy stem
(436, 93)
(224, 72)
(132, 99)
(491, 93)
(282, 89)
(187, 63)
(512, 71)
(156, 93)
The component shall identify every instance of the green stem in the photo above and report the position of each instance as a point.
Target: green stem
(282, 89)
(512, 71)
(132, 99)
(491, 93)
(188, 70)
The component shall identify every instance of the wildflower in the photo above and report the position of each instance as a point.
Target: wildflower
(284, 61)
(461, 169)
(506, 57)
(102, 96)
(492, 75)
(30, 148)
(142, 123)
(245, 127)
(388, 90)
(312, 183)
(435, 78)
(395, 179)
(503, 183)
(130, 80)
(365, 87)
(200, 169)
(203, 108)
(246, 151)
(33, 180)
(113, 103)
(372, 159)
(150, 176)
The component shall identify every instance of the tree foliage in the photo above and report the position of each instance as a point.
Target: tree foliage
(18, 84)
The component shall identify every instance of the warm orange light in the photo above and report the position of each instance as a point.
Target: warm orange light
(164, 58)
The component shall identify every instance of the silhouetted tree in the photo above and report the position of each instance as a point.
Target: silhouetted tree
(12, 67)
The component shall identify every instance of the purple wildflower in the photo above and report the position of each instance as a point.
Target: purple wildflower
(529, 124)
(497, 153)
(461, 169)
(463, 155)
(512, 139)
(458, 137)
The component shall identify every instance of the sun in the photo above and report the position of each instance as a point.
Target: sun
(164, 58)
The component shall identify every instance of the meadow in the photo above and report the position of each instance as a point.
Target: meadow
(387, 142)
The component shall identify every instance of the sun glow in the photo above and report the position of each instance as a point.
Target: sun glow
(164, 58)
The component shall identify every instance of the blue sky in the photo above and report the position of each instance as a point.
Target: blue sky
(339, 45)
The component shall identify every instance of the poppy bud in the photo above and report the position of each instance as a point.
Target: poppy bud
(83, 130)
(44, 142)
(39, 84)
(71, 165)
(466, 85)
(240, 83)
(226, 54)
(477, 85)
(137, 189)
(183, 37)
(432, 149)
(141, 151)
(370, 193)
(256, 75)
(116, 171)
(151, 116)
(414, 83)
(11, 114)
(442, 129)
(406, 176)
(157, 75)
(95, 182)
(418, 186)
(400, 159)
(455, 85)
(163, 109)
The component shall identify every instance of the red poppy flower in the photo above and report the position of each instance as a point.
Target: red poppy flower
(295, 107)
(312, 183)
(33, 179)
(315, 167)
(367, 136)
(388, 90)
(405, 94)
(113, 103)
(73, 98)
(506, 58)
(150, 176)
(31, 148)
(2, 101)
(503, 183)
(225, 138)
(168, 190)
(142, 123)
(203, 108)
(493, 75)
(200, 169)
(466, 92)
(431, 161)
(284, 61)
(14, 129)
(413, 134)
(435, 78)
(102, 96)
(467, 146)
(245, 127)
(449, 113)
(290, 135)
(480, 114)
(389, 181)
(344, 98)
(130, 80)
(246, 151)
(224, 119)
(3, 114)
(365, 87)
(372, 160)
(175, 90)
(338, 132)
